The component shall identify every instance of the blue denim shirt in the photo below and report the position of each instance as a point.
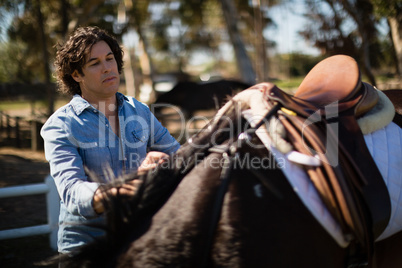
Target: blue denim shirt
(76, 136)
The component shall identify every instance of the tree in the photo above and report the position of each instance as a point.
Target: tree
(36, 27)
(392, 10)
(362, 12)
(170, 30)
(179, 28)
(345, 27)
(24, 29)
(243, 60)
(45, 56)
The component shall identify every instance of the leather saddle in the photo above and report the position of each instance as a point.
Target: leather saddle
(351, 186)
(333, 82)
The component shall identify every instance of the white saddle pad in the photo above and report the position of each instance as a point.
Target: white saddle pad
(385, 145)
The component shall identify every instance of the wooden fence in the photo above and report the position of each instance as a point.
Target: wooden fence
(20, 132)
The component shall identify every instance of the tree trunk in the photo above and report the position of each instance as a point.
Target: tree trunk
(364, 25)
(146, 66)
(45, 55)
(261, 58)
(64, 17)
(366, 59)
(395, 24)
(244, 64)
(129, 73)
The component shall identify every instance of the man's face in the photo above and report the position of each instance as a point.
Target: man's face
(100, 77)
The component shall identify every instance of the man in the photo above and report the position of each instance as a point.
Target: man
(99, 132)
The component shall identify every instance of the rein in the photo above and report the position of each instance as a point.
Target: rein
(230, 154)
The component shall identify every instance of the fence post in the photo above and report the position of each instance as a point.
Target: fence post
(36, 139)
(17, 132)
(53, 210)
(1, 120)
(8, 127)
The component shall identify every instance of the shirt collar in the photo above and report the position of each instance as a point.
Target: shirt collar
(79, 104)
(120, 99)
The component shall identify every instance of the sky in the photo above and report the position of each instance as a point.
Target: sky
(289, 20)
(4, 23)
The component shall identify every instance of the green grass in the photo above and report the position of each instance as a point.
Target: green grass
(15, 105)
(23, 104)
(289, 84)
(293, 83)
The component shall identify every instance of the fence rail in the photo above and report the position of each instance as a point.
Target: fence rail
(52, 204)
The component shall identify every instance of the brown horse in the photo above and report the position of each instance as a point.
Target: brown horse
(222, 201)
(395, 95)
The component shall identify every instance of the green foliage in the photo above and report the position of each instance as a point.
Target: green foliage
(172, 30)
(22, 55)
(301, 64)
(387, 8)
(13, 61)
(351, 28)
(296, 64)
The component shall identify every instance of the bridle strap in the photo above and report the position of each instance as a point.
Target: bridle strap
(217, 207)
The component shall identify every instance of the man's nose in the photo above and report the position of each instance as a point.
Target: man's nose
(107, 66)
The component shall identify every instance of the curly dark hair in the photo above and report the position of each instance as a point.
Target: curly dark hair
(72, 55)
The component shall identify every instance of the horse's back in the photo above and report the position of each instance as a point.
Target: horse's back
(272, 230)
(387, 253)
(395, 95)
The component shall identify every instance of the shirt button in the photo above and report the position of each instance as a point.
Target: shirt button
(107, 125)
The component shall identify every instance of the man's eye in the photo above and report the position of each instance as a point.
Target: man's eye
(94, 64)
(109, 59)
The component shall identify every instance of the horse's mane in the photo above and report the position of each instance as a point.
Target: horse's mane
(123, 216)
(158, 184)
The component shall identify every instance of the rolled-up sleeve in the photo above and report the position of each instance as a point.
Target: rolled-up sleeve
(67, 168)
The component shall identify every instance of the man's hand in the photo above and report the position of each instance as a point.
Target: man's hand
(130, 188)
(152, 159)
(127, 190)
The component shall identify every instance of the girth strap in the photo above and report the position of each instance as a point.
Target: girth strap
(356, 153)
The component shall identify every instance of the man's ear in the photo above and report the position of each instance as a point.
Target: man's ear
(76, 76)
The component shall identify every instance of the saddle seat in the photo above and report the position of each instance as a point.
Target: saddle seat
(336, 81)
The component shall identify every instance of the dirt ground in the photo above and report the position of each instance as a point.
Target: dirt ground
(17, 167)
